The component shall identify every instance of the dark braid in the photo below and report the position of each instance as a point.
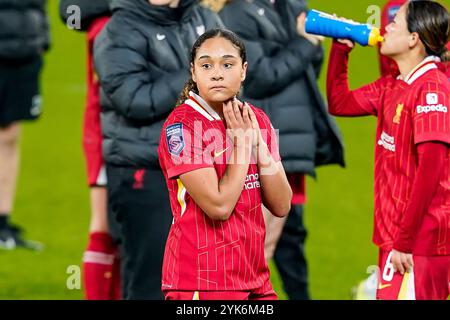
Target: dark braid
(190, 85)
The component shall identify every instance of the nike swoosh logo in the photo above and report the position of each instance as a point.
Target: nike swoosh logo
(384, 286)
(160, 36)
(217, 154)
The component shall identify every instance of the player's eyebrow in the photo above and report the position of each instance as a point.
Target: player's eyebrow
(226, 56)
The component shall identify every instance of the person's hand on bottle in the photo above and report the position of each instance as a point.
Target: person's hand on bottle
(347, 42)
(301, 21)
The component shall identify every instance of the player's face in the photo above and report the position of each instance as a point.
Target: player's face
(397, 38)
(218, 71)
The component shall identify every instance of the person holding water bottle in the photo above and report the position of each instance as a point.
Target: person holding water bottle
(412, 153)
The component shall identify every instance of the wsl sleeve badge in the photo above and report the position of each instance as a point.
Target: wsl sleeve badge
(175, 139)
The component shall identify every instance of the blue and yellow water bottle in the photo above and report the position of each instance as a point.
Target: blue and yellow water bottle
(324, 24)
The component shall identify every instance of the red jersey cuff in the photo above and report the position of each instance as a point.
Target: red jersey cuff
(341, 46)
(432, 136)
(403, 245)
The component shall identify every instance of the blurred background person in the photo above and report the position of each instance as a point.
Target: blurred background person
(141, 58)
(24, 37)
(285, 63)
(101, 265)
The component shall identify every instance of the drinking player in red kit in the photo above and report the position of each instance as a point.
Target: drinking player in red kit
(412, 154)
(221, 163)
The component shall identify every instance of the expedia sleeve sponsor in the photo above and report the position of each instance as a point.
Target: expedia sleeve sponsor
(432, 108)
(430, 116)
(433, 103)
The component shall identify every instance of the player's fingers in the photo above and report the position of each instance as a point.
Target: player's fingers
(255, 124)
(236, 107)
(239, 102)
(227, 112)
(252, 115)
(396, 262)
(408, 262)
(232, 114)
(246, 116)
(301, 18)
(405, 263)
(237, 112)
(400, 268)
(247, 122)
(347, 42)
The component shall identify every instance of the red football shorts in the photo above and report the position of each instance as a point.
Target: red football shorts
(220, 295)
(429, 279)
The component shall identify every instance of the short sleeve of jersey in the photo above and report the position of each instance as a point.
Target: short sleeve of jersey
(269, 134)
(369, 96)
(182, 150)
(431, 116)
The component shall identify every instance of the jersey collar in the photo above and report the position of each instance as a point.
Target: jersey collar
(429, 63)
(200, 105)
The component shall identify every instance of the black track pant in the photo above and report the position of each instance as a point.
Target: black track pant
(139, 216)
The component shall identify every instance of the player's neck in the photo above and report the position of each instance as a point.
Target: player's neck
(217, 107)
(407, 64)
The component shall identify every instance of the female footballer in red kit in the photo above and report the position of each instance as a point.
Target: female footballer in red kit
(221, 163)
(412, 152)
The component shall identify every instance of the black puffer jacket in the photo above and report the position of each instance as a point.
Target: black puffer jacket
(141, 58)
(282, 79)
(24, 29)
(89, 11)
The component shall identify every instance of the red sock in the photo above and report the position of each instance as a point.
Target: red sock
(98, 261)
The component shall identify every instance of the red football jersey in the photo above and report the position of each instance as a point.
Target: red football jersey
(203, 254)
(409, 112)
